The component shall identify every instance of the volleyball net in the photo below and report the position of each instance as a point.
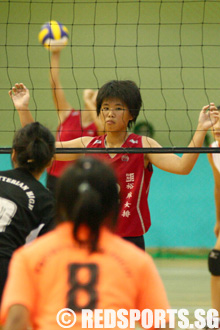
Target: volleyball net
(170, 48)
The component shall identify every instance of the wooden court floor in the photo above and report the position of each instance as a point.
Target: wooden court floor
(187, 283)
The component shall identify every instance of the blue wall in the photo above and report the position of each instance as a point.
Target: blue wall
(182, 207)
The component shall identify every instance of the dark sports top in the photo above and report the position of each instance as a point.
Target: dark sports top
(24, 205)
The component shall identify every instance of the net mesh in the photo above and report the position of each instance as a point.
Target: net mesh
(169, 48)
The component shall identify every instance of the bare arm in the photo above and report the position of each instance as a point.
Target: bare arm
(183, 165)
(20, 96)
(62, 105)
(89, 115)
(81, 142)
(18, 318)
(216, 176)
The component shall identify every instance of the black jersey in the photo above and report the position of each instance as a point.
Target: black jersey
(25, 204)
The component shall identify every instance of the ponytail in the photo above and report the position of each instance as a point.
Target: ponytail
(88, 210)
(87, 195)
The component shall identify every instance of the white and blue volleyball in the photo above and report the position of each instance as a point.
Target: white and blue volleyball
(53, 36)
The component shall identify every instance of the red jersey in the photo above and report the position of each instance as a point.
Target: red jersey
(134, 181)
(70, 129)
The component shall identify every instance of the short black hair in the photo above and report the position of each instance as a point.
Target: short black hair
(34, 145)
(124, 90)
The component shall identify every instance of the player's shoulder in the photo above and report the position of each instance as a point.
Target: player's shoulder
(134, 138)
(68, 116)
(39, 246)
(95, 141)
(148, 142)
(44, 192)
(72, 113)
(143, 141)
(44, 198)
(10, 173)
(19, 177)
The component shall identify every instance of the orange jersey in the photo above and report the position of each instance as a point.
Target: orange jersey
(53, 273)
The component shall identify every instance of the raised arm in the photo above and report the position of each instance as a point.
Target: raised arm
(20, 96)
(216, 176)
(81, 142)
(183, 165)
(62, 105)
(89, 114)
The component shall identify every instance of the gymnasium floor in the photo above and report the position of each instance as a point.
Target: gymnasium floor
(187, 282)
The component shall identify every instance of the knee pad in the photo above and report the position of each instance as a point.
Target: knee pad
(214, 262)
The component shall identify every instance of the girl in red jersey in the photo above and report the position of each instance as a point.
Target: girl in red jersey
(118, 106)
(72, 123)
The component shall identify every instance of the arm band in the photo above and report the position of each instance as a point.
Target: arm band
(214, 262)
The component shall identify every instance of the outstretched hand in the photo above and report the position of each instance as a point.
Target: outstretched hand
(208, 116)
(20, 96)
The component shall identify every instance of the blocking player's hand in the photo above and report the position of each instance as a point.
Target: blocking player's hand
(20, 96)
(208, 116)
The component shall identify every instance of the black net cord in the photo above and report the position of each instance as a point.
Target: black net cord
(169, 150)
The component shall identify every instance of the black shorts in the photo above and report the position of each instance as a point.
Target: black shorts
(4, 263)
(137, 240)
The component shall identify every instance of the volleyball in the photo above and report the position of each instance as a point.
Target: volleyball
(53, 36)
